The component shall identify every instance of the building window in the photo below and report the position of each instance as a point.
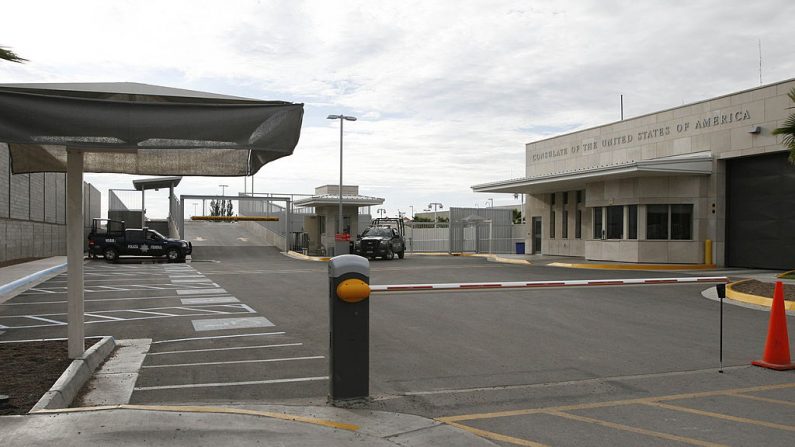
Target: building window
(565, 198)
(681, 222)
(552, 224)
(597, 222)
(632, 221)
(656, 221)
(578, 224)
(552, 199)
(615, 222)
(565, 222)
(580, 195)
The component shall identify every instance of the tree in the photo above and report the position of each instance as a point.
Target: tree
(788, 130)
(229, 208)
(422, 219)
(8, 55)
(215, 207)
(517, 216)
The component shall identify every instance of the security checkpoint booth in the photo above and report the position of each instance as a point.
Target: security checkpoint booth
(139, 129)
(325, 238)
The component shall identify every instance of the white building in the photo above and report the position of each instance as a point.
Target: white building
(656, 188)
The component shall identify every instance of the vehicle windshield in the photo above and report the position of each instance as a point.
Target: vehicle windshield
(378, 232)
(154, 235)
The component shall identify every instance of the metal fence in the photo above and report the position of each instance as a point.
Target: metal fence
(470, 230)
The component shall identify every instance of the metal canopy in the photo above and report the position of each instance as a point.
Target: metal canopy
(134, 129)
(156, 183)
(697, 163)
(143, 129)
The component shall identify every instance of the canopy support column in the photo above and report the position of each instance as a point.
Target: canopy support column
(74, 253)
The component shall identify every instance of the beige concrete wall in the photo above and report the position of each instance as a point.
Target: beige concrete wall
(719, 125)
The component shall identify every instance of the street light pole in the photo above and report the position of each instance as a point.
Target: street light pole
(341, 118)
(223, 187)
(435, 205)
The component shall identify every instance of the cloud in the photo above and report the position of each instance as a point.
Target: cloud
(447, 94)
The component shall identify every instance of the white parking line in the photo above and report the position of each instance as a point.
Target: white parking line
(133, 298)
(200, 291)
(236, 348)
(221, 384)
(202, 310)
(216, 337)
(103, 316)
(192, 281)
(230, 323)
(210, 300)
(47, 320)
(151, 313)
(287, 359)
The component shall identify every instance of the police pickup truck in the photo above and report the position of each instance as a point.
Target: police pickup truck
(111, 239)
(384, 238)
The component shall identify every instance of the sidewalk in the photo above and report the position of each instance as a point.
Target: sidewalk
(15, 279)
(267, 425)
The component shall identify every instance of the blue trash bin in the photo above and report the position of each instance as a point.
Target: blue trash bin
(520, 248)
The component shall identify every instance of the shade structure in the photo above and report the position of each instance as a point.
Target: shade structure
(135, 129)
(143, 129)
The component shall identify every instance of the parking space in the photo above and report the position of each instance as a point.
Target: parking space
(207, 344)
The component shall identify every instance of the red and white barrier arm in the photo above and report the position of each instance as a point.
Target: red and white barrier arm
(541, 284)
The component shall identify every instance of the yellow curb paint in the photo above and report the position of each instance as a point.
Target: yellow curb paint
(634, 266)
(753, 299)
(303, 257)
(782, 275)
(211, 410)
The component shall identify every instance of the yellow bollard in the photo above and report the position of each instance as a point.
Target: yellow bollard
(708, 252)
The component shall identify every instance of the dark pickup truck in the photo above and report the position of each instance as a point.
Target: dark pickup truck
(384, 239)
(111, 239)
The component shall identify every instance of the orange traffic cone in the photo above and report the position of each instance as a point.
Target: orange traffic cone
(777, 344)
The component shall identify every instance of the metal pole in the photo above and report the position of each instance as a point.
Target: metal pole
(74, 254)
(721, 289)
(340, 192)
(143, 207)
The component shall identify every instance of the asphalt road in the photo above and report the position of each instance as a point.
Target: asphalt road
(608, 365)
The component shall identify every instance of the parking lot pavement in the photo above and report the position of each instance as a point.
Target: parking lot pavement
(208, 345)
(559, 366)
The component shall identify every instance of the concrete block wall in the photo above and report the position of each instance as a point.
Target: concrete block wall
(33, 212)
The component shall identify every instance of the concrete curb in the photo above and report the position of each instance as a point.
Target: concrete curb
(63, 392)
(634, 266)
(31, 280)
(303, 257)
(753, 299)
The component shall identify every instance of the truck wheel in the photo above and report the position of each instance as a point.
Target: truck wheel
(401, 254)
(172, 254)
(390, 255)
(111, 255)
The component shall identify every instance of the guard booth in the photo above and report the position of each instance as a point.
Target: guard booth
(322, 227)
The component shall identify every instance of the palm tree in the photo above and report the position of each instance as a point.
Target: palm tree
(788, 130)
(8, 55)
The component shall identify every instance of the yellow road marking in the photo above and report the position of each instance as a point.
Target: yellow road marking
(497, 436)
(733, 294)
(469, 417)
(215, 410)
(630, 429)
(634, 266)
(763, 399)
(721, 416)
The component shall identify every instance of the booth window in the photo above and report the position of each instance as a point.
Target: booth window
(597, 223)
(615, 222)
(632, 221)
(656, 221)
(681, 222)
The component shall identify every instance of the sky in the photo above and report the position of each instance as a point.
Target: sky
(446, 94)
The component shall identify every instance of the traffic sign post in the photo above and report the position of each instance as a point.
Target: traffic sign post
(349, 329)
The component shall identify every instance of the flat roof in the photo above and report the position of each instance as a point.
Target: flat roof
(156, 183)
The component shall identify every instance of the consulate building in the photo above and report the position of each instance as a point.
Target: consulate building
(705, 182)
